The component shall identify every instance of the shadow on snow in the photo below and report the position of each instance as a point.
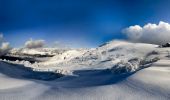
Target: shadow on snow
(80, 78)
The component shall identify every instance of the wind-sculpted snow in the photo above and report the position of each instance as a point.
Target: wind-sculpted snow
(132, 65)
(125, 67)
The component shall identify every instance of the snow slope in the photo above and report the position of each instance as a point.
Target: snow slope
(92, 75)
(104, 57)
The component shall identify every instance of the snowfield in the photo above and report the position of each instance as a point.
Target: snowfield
(117, 70)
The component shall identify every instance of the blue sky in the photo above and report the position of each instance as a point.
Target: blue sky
(79, 23)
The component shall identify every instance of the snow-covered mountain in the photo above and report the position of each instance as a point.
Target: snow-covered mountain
(108, 56)
(117, 70)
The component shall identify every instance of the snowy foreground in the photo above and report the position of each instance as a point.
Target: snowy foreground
(116, 70)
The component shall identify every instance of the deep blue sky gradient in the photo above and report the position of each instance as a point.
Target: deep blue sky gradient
(79, 23)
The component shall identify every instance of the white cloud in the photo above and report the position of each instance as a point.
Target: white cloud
(34, 43)
(149, 33)
(5, 48)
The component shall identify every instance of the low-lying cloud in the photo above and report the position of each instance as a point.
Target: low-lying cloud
(34, 44)
(149, 33)
(5, 46)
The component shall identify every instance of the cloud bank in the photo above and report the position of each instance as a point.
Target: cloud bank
(149, 33)
(34, 44)
(5, 46)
